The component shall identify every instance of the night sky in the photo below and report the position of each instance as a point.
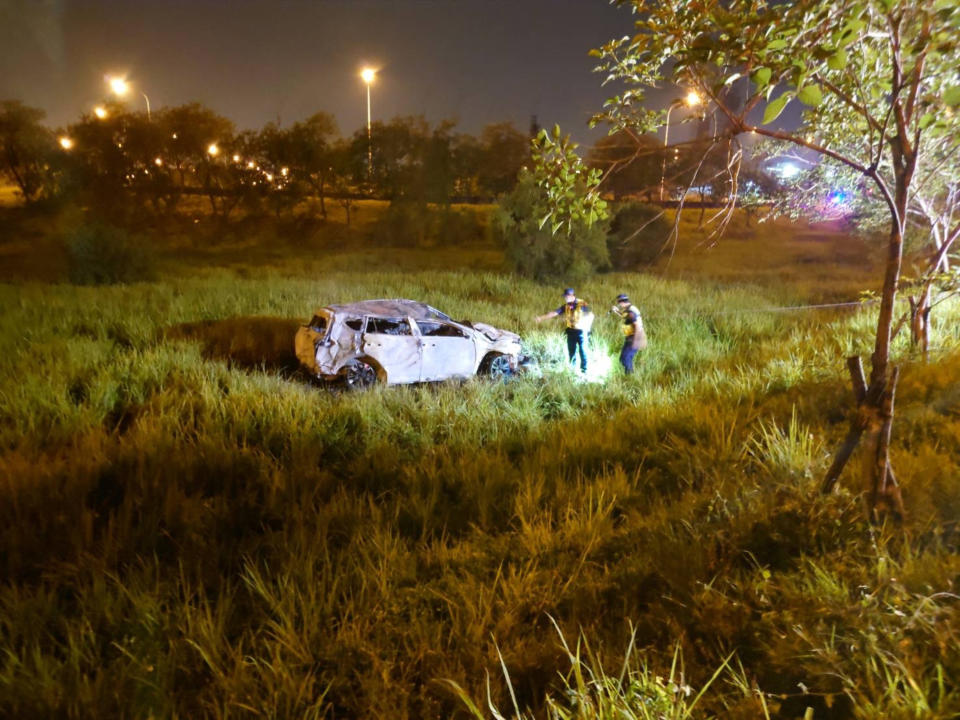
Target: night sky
(478, 61)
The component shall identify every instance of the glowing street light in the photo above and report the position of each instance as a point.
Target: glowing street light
(66, 143)
(369, 75)
(213, 150)
(692, 99)
(100, 111)
(158, 162)
(119, 86)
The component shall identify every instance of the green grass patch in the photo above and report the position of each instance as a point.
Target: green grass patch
(189, 528)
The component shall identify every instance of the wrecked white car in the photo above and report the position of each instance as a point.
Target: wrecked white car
(401, 341)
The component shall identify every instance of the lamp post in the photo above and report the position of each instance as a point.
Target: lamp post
(369, 75)
(120, 87)
(691, 100)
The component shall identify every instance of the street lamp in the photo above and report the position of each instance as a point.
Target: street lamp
(213, 150)
(66, 143)
(692, 99)
(119, 86)
(369, 75)
(101, 112)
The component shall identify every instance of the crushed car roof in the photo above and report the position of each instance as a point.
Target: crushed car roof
(391, 308)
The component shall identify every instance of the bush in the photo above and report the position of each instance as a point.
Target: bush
(410, 224)
(535, 252)
(104, 255)
(637, 235)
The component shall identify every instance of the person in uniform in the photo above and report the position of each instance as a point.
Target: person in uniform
(635, 339)
(579, 319)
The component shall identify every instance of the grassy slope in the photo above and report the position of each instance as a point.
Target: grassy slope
(190, 529)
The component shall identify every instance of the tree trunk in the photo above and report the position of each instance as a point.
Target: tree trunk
(920, 321)
(874, 416)
(323, 204)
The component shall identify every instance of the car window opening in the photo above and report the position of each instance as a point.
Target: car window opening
(432, 329)
(384, 326)
(356, 324)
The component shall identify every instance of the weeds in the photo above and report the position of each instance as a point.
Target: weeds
(189, 529)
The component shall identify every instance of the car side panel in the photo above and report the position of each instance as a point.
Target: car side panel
(398, 355)
(448, 357)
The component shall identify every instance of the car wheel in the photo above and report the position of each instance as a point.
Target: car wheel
(497, 367)
(359, 375)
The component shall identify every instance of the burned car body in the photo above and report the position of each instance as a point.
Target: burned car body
(401, 341)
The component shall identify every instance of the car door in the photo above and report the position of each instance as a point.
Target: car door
(395, 347)
(447, 351)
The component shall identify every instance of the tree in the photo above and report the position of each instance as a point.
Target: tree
(311, 148)
(105, 168)
(503, 151)
(26, 148)
(880, 71)
(345, 168)
(534, 251)
(398, 155)
(932, 219)
(630, 164)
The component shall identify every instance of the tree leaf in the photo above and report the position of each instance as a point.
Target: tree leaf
(837, 61)
(951, 96)
(810, 95)
(774, 108)
(762, 77)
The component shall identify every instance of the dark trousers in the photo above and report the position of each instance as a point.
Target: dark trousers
(627, 353)
(575, 341)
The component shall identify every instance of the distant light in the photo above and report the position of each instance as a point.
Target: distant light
(66, 143)
(236, 158)
(174, 136)
(269, 177)
(100, 111)
(250, 164)
(693, 98)
(838, 197)
(213, 150)
(284, 171)
(118, 85)
(368, 75)
(787, 170)
(158, 162)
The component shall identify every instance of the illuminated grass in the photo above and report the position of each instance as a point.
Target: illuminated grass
(189, 528)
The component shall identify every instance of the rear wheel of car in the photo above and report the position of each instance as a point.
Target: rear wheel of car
(359, 375)
(497, 366)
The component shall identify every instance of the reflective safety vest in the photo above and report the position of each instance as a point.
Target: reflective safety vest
(578, 316)
(631, 317)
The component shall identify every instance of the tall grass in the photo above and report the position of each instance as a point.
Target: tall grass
(190, 528)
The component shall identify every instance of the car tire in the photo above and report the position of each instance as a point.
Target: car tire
(359, 375)
(497, 367)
